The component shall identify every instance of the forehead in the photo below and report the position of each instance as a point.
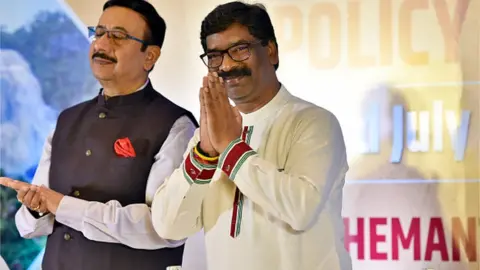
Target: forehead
(121, 17)
(232, 35)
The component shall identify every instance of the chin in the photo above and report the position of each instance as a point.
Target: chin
(102, 77)
(102, 74)
(237, 93)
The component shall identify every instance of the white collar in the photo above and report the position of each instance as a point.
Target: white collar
(143, 86)
(272, 106)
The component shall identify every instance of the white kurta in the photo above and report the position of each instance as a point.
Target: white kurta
(273, 201)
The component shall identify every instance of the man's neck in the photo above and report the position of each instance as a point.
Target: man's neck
(266, 96)
(111, 89)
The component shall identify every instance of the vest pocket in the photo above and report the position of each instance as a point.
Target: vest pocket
(125, 167)
(123, 161)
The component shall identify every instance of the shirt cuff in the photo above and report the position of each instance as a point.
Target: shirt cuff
(197, 172)
(29, 224)
(234, 156)
(71, 212)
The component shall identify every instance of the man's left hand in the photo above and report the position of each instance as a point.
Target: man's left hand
(224, 121)
(49, 197)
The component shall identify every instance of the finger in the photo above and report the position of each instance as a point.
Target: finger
(19, 185)
(211, 107)
(43, 207)
(201, 96)
(203, 113)
(43, 204)
(44, 191)
(238, 116)
(27, 200)
(213, 86)
(4, 181)
(205, 81)
(219, 83)
(222, 85)
(36, 200)
(221, 99)
(14, 184)
(21, 195)
(208, 101)
(236, 112)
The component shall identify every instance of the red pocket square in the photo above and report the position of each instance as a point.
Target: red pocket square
(123, 148)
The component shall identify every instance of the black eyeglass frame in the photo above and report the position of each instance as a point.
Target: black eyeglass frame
(92, 31)
(249, 46)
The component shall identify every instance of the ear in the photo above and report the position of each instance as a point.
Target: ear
(272, 53)
(151, 56)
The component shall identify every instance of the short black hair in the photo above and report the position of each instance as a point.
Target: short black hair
(156, 24)
(252, 16)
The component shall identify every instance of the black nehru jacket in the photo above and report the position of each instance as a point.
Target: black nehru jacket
(84, 164)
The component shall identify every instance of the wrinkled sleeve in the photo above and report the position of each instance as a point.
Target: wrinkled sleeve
(177, 206)
(30, 224)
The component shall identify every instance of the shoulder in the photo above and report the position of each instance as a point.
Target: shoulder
(185, 131)
(308, 116)
(184, 123)
(73, 110)
(162, 106)
(159, 101)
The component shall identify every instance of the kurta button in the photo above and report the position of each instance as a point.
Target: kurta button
(76, 193)
(67, 236)
(102, 115)
(88, 152)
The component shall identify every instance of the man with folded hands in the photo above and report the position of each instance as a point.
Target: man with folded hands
(107, 156)
(264, 179)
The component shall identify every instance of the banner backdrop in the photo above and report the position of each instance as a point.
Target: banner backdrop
(402, 76)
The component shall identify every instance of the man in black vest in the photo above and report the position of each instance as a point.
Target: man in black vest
(107, 156)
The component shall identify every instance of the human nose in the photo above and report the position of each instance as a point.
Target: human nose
(102, 43)
(228, 63)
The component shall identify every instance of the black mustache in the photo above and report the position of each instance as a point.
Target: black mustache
(104, 56)
(238, 72)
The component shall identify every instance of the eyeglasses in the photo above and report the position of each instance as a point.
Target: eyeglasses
(238, 52)
(115, 35)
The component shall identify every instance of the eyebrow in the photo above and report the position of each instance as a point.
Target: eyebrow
(231, 44)
(115, 28)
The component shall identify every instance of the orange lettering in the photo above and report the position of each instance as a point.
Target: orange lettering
(451, 28)
(458, 236)
(355, 57)
(386, 36)
(331, 12)
(405, 33)
(289, 28)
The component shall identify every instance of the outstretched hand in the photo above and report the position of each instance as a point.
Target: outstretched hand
(224, 121)
(39, 199)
